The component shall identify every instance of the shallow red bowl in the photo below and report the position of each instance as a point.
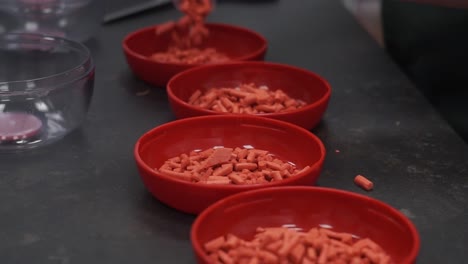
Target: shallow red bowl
(240, 44)
(308, 207)
(296, 82)
(287, 141)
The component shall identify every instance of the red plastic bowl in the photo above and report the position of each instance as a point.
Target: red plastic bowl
(308, 207)
(296, 82)
(287, 141)
(236, 42)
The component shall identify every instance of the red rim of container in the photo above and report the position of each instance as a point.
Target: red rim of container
(312, 167)
(240, 58)
(201, 217)
(314, 104)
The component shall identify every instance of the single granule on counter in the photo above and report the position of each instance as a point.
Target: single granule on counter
(247, 98)
(229, 166)
(363, 182)
(187, 33)
(278, 245)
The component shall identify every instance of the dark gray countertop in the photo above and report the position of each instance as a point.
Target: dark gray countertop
(81, 199)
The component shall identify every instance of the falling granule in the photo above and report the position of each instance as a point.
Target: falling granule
(187, 34)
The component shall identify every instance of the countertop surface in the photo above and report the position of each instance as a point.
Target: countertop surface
(81, 200)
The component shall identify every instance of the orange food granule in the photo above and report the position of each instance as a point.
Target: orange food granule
(363, 182)
(187, 33)
(283, 245)
(229, 166)
(248, 98)
(189, 56)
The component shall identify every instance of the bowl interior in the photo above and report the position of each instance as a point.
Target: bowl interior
(224, 38)
(286, 141)
(46, 86)
(297, 83)
(307, 207)
(32, 57)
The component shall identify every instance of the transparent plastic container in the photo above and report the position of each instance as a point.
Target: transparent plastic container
(78, 20)
(46, 86)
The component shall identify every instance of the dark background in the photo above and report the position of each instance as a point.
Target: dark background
(81, 200)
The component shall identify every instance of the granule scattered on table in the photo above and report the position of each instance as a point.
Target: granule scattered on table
(363, 182)
(143, 93)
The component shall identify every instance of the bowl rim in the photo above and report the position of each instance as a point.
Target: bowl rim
(261, 64)
(75, 46)
(410, 258)
(229, 187)
(131, 52)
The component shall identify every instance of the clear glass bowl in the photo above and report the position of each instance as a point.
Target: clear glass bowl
(46, 85)
(78, 20)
